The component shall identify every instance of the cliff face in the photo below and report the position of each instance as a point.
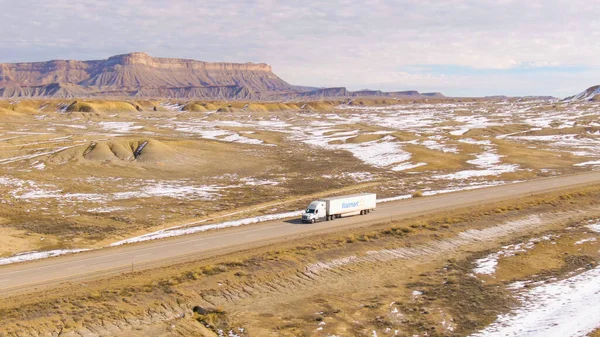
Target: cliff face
(139, 74)
(342, 92)
(589, 94)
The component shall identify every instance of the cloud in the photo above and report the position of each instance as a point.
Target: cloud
(330, 43)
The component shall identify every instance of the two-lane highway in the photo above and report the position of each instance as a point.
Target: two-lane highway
(27, 276)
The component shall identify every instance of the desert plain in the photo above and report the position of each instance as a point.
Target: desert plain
(83, 174)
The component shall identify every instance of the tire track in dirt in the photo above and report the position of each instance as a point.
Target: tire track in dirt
(320, 274)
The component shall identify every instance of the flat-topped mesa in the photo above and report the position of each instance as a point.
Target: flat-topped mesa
(139, 58)
(140, 74)
(43, 73)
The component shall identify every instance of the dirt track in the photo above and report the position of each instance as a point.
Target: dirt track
(25, 277)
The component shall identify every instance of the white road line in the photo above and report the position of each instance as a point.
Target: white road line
(6, 280)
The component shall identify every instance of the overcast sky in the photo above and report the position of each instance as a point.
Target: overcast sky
(458, 47)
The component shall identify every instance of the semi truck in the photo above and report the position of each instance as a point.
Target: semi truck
(337, 207)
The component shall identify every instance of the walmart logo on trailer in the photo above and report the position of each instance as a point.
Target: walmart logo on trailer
(350, 204)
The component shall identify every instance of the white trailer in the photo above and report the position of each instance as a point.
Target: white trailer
(337, 207)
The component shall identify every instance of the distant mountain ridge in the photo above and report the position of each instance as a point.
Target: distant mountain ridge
(140, 75)
(343, 92)
(590, 94)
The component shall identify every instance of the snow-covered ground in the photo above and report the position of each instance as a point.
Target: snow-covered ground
(377, 136)
(166, 233)
(557, 309)
(488, 264)
(29, 190)
(554, 308)
(30, 256)
(488, 164)
(426, 251)
(120, 127)
(186, 228)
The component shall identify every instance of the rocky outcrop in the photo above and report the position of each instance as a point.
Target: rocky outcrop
(589, 94)
(327, 92)
(138, 74)
(343, 92)
(433, 94)
(213, 92)
(49, 90)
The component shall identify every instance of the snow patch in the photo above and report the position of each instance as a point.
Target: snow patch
(488, 264)
(560, 309)
(121, 127)
(582, 241)
(30, 256)
(166, 233)
(425, 251)
(407, 166)
(488, 162)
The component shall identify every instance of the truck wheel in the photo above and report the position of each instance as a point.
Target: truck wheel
(312, 220)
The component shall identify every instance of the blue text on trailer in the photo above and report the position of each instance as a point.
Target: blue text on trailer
(350, 204)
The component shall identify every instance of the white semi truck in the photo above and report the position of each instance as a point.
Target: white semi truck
(337, 207)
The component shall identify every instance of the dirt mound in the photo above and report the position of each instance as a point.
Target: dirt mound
(98, 151)
(142, 151)
(196, 107)
(121, 150)
(19, 108)
(102, 106)
(8, 112)
(154, 151)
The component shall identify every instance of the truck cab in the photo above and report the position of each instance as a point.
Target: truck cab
(316, 211)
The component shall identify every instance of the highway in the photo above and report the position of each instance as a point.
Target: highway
(39, 274)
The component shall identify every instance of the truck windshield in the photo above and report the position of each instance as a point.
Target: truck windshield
(309, 210)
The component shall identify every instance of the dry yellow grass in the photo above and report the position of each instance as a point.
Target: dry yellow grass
(261, 291)
(101, 106)
(364, 138)
(291, 172)
(497, 130)
(196, 107)
(532, 158)
(436, 160)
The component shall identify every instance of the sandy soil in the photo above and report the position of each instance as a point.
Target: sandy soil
(88, 179)
(425, 276)
(73, 180)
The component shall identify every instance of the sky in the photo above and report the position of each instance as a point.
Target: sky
(457, 47)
